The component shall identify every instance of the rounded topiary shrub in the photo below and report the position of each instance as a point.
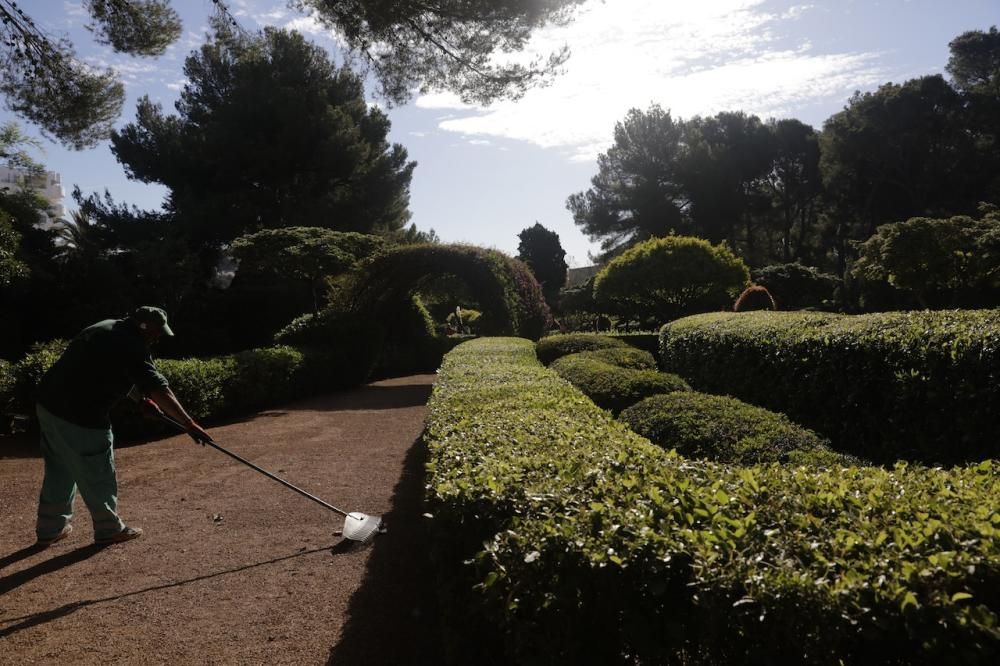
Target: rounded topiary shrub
(611, 387)
(552, 347)
(723, 429)
(628, 357)
(665, 278)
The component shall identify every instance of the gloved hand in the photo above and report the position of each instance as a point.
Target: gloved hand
(150, 409)
(198, 433)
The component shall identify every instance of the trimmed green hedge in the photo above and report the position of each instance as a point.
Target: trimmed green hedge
(612, 387)
(914, 385)
(585, 543)
(630, 358)
(724, 429)
(648, 341)
(552, 347)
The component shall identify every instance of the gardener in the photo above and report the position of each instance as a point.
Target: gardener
(74, 399)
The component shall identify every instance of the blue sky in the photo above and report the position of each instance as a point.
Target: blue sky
(484, 174)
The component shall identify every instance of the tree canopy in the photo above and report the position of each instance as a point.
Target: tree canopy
(269, 134)
(638, 192)
(446, 45)
(541, 250)
(46, 83)
(408, 45)
(944, 262)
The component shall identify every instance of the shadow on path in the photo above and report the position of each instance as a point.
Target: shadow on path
(26, 622)
(19, 555)
(392, 618)
(15, 580)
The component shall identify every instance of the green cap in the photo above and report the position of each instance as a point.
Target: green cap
(152, 315)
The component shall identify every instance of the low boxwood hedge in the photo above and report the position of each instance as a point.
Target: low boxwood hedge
(556, 346)
(613, 387)
(634, 359)
(645, 340)
(724, 429)
(585, 543)
(914, 385)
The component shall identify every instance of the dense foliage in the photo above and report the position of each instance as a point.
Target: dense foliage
(953, 262)
(723, 429)
(304, 255)
(666, 278)
(912, 385)
(587, 544)
(795, 286)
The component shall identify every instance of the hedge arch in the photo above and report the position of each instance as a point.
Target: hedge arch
(509, 295)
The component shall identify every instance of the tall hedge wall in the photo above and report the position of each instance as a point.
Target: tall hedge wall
(913, 385)
(584, 543)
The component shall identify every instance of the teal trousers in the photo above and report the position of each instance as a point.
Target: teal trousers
(76, 457)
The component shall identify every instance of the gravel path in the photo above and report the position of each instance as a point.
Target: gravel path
(233, 568)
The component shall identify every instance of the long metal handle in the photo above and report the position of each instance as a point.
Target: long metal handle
(261, 470)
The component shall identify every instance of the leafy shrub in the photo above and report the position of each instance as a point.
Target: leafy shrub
(942, 262)
(552, 347)
(794, 286)
(754, 297)
(723, 429)
(612, 387)
(28, 372)
(666, 278)
(912, 385)
(629, 358)
(563, 537)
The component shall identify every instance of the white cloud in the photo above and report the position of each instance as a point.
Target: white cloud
(692, 58)
(308, 25)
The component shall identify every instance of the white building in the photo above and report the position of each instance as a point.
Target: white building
(48, 185)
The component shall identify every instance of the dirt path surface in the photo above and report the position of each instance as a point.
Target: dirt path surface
(233, 568)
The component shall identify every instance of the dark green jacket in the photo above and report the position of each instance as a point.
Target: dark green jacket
(97, 370)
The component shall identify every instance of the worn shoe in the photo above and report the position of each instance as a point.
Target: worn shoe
(127, 534)
(63, 533)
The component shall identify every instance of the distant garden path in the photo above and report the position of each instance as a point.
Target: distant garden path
(233, 568)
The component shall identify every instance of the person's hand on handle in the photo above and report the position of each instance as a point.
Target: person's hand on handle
(197, 433)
